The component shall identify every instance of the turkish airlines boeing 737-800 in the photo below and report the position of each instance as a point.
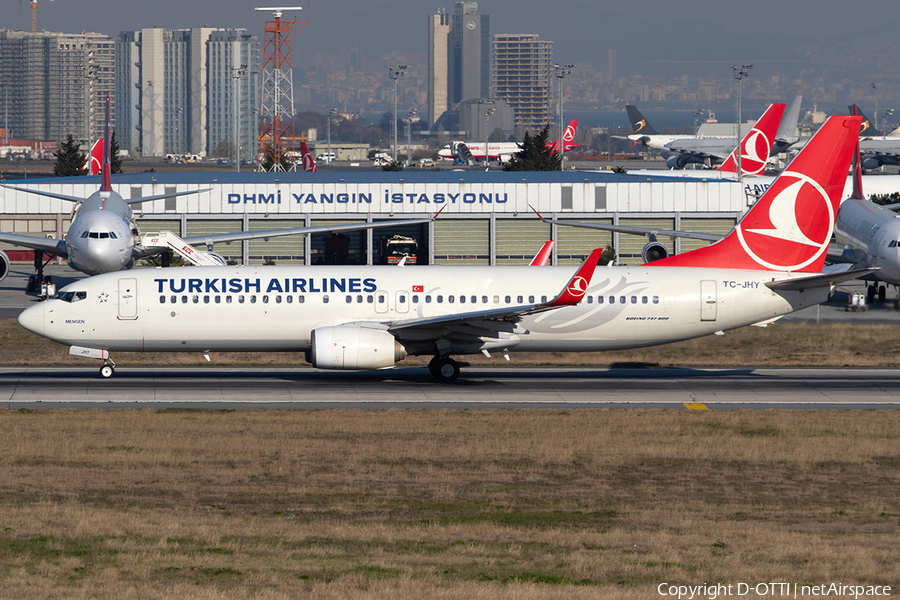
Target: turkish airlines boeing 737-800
(372, 317)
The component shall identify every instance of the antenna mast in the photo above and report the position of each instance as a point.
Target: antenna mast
(276, 111)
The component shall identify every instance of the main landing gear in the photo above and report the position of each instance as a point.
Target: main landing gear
(444, 369)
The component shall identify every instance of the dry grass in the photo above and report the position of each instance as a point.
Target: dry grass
(787, 344)
(442, 504)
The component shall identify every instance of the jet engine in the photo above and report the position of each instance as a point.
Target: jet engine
(676, 162)
(873, 162)
(4, 265)
(353, 347)
(654, 251)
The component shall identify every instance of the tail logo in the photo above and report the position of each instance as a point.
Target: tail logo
(569, 135)
(778, 240)
(755, 149)
(578, 286)
(308, 164)
(640, 125)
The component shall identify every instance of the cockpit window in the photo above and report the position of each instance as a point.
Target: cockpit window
(69, 296)
(100, 235)
(84, 234)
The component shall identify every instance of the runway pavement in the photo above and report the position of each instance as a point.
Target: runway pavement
(407, 388)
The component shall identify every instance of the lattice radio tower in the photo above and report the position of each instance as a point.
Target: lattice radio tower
(276, 111)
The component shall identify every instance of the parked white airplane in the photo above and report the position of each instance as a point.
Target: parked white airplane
(104, 238)
(372, 317)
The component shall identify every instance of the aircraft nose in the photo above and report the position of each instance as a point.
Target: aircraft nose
(32, 319)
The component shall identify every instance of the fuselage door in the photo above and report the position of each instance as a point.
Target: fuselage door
(381, 301)
(128, 298)
(707, 300)
(401, 304)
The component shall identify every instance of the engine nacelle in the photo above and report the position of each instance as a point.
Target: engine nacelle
(873, 162)
(352, 347)
(654, 251)
(676, 162)
(4, 265)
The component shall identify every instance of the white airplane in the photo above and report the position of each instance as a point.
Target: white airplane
(502, 151)
(103, 237)
(348, 317)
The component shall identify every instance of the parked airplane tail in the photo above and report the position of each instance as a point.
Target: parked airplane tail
(567, 137)
(868, 130)
(309, 163)
(788, 229)
(757, 144)
(638, 122)
(94, 161)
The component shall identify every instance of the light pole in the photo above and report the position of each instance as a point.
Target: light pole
(178, 112)
(328, 114)
(740, 73)
(487, 113)
(236, 73)
(395, 74)
(561, 73)
(875, 87)
(409, 115)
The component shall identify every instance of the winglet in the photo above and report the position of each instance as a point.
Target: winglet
(578, 285)
(537, 213)
(540, 259)
(438, 213)
(107, 185)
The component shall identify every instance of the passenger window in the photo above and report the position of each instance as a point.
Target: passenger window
(370, 299)
(612, 299)
(227, 299)
(173, 299)
(427, 299)
(184, 299)
(496, 299)
(402, 299)
(241, 299)
(415, 299)
(450, 299)
(531, 299)
(440, 299)
(277, 299)
(218, 299)
(519, 299)
(205, 299)
(325, 299)
(590, 299)
(462, 299)
(473, 299)
(359, 299)
(507, 299)
(643, 299)
(621, 299)
(655, 299)
(634, 299)
(484, 299)
(265, 299)
(196, 299)
(253, 299)
(301, 299)
(543, 299)
(162, 299)
(290, 299)
(599, 299)
(349, 299)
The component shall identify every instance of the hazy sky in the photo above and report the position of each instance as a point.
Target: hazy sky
(651, 32)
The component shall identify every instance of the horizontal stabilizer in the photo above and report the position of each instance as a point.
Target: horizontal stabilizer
(822, 280)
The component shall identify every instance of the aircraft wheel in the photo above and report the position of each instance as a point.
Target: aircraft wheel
(870, 294)
(433, 366)
(882, 293)
(107, 371)
(446, 370)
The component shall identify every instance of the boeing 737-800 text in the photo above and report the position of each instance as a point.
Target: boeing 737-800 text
(372, 317)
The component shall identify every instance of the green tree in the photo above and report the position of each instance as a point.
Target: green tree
(609, 254)
(115, 161)
(535, 155)
(70, 159)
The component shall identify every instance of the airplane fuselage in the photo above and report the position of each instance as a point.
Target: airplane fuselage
(250, 308)
(100, 238)
(872, 234)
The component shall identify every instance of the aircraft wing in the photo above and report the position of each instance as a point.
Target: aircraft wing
(499, 319)
(674, 233)
(700, 149)
(239, 236)
(160, 196)
(47, 194)
(46, 245)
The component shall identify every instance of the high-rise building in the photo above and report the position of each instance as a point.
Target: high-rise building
(522, 77)
(57, 83)
(186, 91)
(438, 64)
(459, 58)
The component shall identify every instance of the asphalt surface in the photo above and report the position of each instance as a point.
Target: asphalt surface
(413, 388)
